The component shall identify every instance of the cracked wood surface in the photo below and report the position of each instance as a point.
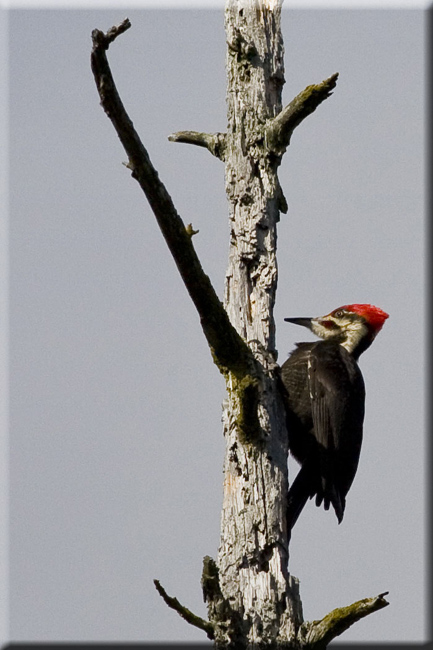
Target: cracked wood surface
(253, 553)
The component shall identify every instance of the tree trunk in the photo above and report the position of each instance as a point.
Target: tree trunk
(253, 555)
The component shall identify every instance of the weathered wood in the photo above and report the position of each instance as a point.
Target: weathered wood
(253, 553)
(228, 349)
(184, 612)
(316, 635)
(214, 142)
(280, 129)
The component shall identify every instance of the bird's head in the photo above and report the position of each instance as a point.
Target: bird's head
(353, 326)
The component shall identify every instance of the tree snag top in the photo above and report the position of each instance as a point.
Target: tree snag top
(252, 599)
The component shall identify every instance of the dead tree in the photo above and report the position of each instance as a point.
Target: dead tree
(252, 599)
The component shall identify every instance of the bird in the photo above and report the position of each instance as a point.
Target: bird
(324, 396)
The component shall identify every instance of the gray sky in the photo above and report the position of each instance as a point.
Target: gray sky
(116, 444)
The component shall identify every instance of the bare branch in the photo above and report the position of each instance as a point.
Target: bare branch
(280, 128)
(214, 142)
(104, 40)
(320, 633)
(229, 350)
(191, 618)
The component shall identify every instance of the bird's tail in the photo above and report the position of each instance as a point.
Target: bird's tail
(331, 495)
(306, 486)
(300, 491)
(327, 490)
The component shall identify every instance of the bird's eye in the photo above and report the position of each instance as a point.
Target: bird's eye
(339, 313)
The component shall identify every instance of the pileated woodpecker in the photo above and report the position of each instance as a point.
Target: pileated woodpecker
(324, 397)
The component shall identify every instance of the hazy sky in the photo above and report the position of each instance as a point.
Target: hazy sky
(116, 443)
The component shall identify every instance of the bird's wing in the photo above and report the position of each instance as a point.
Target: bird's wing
(330, 386)
(327, 383)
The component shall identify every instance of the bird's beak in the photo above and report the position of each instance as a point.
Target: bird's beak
(305, 322)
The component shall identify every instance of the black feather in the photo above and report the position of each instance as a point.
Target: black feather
(324, 397)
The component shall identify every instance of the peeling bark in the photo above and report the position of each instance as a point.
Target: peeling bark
(253, 553)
